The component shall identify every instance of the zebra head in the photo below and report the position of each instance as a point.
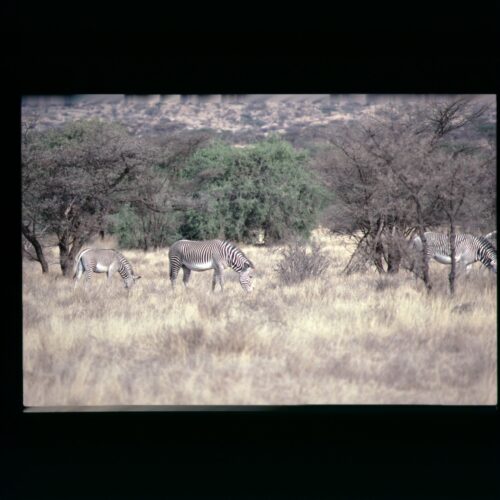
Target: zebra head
(129, 281)
(493, 265)
(246, 276)
(493, 255)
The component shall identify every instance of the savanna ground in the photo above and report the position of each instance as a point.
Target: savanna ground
(359, 339)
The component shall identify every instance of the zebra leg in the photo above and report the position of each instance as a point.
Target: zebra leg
(174, 271)
(217, 278)
(186, 275)
(78, 274)
(88, 274)
(221, 278)
(111, 270)
(467, 266)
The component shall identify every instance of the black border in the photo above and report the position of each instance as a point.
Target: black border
(407, 451)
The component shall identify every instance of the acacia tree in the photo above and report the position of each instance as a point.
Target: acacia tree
(466, 189)
(154, 219)
(400, 171)
(31, 228)
(464, 171)
(151, 221)
(370, 201)
(74, 176)
(32, 235)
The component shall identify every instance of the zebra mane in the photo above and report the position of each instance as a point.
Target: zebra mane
(234, 247)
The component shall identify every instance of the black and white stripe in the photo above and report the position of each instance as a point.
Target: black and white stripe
(468, 249)
(210, 254)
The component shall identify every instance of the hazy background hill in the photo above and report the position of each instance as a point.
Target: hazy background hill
(236, 117)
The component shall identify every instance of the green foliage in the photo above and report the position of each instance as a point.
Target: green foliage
(126, 225)
(136, 228)
(76, 175)
(240, 190)
(77, 135)
(487, 130)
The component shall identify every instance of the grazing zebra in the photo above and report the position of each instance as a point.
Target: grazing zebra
(99, 260)
(205, 255)
(468, 249)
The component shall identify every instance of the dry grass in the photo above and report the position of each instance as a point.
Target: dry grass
(358, 339)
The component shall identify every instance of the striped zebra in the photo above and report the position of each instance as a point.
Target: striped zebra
(211, 254)
(468, 249)
(99, 260)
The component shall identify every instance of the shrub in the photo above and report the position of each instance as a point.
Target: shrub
(136, 228)
(300, 262)
(237, 191)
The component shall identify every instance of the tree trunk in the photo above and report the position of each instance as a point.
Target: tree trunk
(425, 260)
(378, 258)
(38, 248)
(394, 256)
(351, 265)
(378, 248)
(145, 232)
(452, 276)
(67, 254)
(393, 259)
(64, 258)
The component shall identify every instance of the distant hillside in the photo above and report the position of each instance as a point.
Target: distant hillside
(235, 116)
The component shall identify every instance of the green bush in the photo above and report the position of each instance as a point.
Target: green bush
(143, 228)
(125, 225)
(261, 187)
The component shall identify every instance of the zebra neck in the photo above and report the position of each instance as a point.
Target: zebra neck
(234, 257)
(125, 265)
(235, 266)
(236, 262)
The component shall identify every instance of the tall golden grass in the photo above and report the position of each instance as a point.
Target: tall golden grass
(359, 339)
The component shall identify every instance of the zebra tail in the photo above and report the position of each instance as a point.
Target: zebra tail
(78, 264)
(78, 259)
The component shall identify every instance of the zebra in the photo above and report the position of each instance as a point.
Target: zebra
(468, 249)
(209, 254)
(108, 261)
